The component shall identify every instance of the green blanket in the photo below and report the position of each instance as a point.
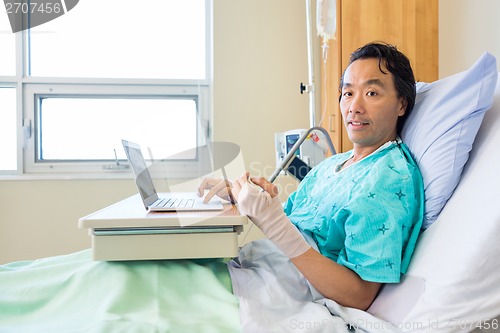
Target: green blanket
(72, 293)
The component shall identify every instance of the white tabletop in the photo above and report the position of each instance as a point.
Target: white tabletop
(130, 212)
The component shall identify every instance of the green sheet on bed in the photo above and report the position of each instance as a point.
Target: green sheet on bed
(72, 293)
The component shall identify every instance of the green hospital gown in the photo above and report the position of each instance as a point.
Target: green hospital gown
(367, 216)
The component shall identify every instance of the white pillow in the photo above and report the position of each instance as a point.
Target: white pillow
(452, 284)
(442, 127)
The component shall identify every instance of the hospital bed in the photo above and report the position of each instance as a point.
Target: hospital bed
(453, 283)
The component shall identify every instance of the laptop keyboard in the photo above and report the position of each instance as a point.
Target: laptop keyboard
(175, 203)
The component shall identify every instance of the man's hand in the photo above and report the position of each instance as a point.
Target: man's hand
(216, 186)
(258, 200)
(226, 190)
(261, 182)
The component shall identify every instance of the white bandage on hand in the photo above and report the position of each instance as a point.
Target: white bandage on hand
(268, 215)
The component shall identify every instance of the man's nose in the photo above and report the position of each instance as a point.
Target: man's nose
(357, 105)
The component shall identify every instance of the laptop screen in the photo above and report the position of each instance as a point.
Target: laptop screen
(141, 172)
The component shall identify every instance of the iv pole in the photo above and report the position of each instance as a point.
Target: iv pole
(310, 88)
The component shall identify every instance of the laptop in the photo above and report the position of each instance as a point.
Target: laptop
(167, 202)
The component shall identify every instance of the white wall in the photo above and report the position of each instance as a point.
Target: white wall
(260, 60)
(38, 218)
(467, 28)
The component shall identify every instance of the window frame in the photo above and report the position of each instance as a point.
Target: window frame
(28, 89)
(33, 92)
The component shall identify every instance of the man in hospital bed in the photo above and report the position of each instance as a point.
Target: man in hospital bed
(353, 222)
(351, 225)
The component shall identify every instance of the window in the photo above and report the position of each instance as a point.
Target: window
(8, 47)
(8, 136)
(157, 122)
(102, 72)
(123, 39)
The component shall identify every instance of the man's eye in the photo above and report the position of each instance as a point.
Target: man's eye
(346, 94)
(372, 93)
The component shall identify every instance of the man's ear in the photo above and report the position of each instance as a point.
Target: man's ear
(404, 105)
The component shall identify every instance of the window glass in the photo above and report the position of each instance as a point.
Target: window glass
(8, 157)
(123, 39)
(72, 129)
(7, 47)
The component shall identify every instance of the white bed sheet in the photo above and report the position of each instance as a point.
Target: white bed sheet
(275, 297)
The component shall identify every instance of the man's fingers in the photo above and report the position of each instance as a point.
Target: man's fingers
(203, 186)
(219, 189)
(207, 184)
(243, 179)
(239, 183)
(266, 185)
(235, 191)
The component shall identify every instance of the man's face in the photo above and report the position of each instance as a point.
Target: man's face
(370, 104)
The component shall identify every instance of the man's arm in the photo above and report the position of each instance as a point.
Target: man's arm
(332, 280)
(335, 281)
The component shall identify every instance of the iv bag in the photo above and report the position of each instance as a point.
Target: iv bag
(326, 16)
